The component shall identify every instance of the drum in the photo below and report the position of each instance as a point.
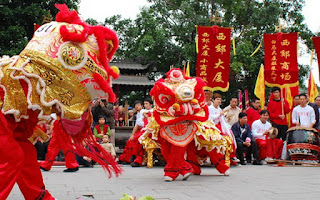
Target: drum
(303, 143)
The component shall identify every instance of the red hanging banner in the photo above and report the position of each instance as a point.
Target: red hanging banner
(213, 59)
(281, 64)
(316, 42)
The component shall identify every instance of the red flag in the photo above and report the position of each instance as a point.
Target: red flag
(316, 42)
(246, 97)
(213, 59)
(240, 98)
(281, 64)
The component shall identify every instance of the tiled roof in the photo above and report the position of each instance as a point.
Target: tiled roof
(128, 65)
(133, 80)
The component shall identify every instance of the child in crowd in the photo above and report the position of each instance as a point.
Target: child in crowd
(108, 146)
(101, 129)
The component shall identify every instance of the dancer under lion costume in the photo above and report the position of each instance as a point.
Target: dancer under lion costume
(61, 70)
(180, 119)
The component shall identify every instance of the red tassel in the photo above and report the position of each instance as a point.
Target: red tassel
(91, 148)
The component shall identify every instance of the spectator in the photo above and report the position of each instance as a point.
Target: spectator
(131, 117)
(121, 116)
(316, 112)
(253, 112)
(102, 107)
(232, 111)
(303, 114)
(208, 97)
(243, 136)
(278, 108)
(268, 148)
(108, 146)
(101, 129)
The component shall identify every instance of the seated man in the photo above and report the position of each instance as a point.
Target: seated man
(268, 148)
(242, 133)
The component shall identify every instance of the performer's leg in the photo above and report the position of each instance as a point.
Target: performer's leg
(218, 161)
(30, 178)
(53, 151)
(170, 170)
(127, 152)
(11, 161)
(139, 154)
(276, 148)
(262, 148)
(192, 158)
(70, 158)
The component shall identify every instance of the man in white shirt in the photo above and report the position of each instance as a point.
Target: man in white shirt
(268, 148)
(303, 114)
(232, 111)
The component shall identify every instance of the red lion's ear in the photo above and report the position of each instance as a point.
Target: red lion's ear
(163, 96)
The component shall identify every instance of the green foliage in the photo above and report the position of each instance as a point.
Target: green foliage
(164, 34)
(17, 19)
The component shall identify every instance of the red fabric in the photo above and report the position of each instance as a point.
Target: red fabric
(86, 145)
(127, 152)
(262, 148)
(275, 109)
(18, 164)
(274, 148)
(174, 156)
(252, 115)
(217, 159)
(281, 64)
(213, 59)
(133, 148)
(55, 145)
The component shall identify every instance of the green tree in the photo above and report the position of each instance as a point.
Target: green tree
(17, 18)
(164, 33)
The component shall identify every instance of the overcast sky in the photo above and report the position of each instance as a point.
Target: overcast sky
(100, 9)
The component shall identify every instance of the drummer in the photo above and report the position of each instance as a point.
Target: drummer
(303, 114)
(269, 149)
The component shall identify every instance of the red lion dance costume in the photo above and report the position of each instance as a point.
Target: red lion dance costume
(180, 119)
(61, 70)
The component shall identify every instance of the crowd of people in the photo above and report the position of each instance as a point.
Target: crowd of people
(259, 134)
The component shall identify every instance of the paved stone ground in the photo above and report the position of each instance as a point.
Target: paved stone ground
(246, 182)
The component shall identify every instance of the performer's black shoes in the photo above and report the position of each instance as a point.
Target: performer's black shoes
(44, 169)
(71, 169)
(135, 164)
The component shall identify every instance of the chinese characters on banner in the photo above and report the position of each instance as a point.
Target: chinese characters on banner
(316, 42)
(213, 60)
(281, 65)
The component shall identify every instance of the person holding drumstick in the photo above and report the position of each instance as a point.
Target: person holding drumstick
(303, 114)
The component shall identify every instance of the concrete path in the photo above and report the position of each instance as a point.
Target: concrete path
(245, 182)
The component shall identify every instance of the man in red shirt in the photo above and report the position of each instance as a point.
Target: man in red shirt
(253, 113)
(278, 108)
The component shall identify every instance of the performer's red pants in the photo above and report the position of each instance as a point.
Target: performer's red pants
(271, 148)
(133, 148)
(18, 163)
(174, 156)
(54, 147)
(217, 159)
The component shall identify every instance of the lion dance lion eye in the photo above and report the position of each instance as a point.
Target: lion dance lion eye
(164, 99)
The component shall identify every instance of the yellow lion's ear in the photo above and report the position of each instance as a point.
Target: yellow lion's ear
(115, 69)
